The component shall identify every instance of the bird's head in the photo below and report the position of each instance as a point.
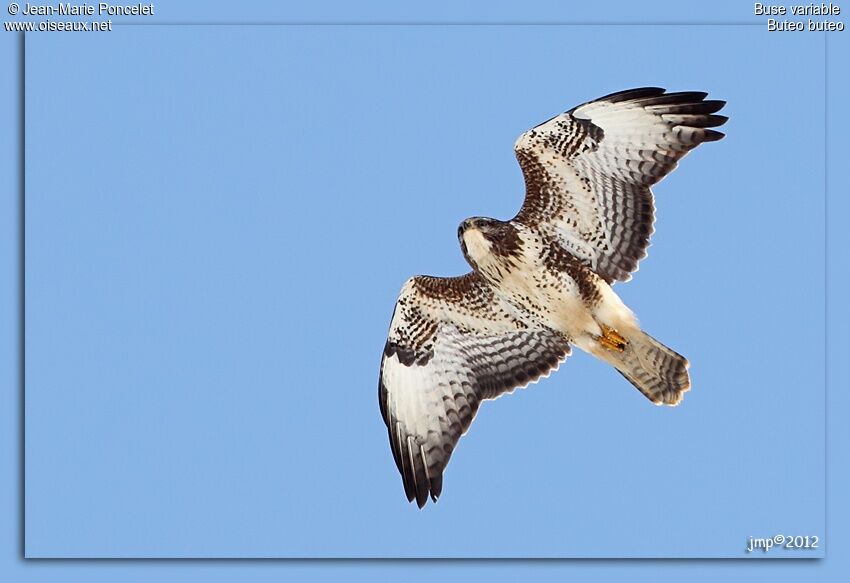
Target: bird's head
(485, 240)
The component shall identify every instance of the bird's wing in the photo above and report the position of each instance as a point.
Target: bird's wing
(452, 343)
(588, 171)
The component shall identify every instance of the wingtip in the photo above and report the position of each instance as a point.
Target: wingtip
(635, 93)
(421, 496)
(422, 500)
(712, 136)
(719, 120)
(436, 487)
(689, 95)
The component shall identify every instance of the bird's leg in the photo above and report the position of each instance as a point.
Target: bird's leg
(611, 339)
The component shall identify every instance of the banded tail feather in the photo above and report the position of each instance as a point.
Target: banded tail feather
(659, 372)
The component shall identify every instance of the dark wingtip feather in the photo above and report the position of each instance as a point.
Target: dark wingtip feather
(715, 103)
(399, 446)
(714, 121)
(436, 487)
(414, 473)
(409, 487)
(687, 95)
(678, 97)
(625, 95)
(712, 136)
(419, 485)
(688, 112)
(421, 497)
(688, 107)
(636, 93)
(692, 120)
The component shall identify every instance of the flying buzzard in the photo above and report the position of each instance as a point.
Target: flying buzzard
(542, 280)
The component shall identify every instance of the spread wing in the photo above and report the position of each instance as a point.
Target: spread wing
(588, 171)
(452, 343)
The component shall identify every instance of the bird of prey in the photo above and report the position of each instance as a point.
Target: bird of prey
(541, 281)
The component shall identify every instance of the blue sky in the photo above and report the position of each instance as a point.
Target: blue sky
(180, 291)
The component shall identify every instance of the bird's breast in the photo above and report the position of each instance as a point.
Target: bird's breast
(550, 298)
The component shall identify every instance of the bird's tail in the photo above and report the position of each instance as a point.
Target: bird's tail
(657, 371)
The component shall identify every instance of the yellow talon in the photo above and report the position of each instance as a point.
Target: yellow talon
(611, 339)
